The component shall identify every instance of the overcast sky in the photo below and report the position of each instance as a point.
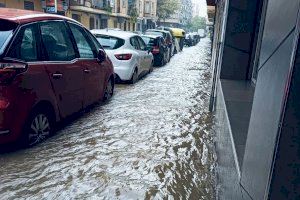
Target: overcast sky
(203, 9)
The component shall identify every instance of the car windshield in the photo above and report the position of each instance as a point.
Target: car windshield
(110, 42)
(149, 41)
(6, 32)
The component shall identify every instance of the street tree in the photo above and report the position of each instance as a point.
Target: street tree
(197, 23)
(166, 8)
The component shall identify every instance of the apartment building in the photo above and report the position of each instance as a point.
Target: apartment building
(99, 14)
(93, 14)
(147, 14)
(27, 5)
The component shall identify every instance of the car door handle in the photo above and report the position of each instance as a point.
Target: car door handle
(87, 71)
(57, 75)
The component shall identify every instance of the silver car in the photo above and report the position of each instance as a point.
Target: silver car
(128, 53)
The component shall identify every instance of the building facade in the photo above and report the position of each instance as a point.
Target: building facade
(99, 14)
(255, 97)
(29, 4)
(146, 14)
(93, 14)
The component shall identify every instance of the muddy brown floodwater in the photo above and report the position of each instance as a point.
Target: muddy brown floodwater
(152, 140)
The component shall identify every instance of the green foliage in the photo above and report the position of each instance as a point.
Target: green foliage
(197, 23)
(108, 9)
(166, 8)
(133, 13)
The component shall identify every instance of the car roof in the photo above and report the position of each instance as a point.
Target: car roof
(26, 16)
(114, 33)
(158, 30)
(152, 36)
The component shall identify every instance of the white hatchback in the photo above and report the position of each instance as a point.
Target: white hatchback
(128, 53)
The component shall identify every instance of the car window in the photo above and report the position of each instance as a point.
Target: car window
(56, 40)
(150, 42)
(142, 44)
(110, 42)
(134, 43)
(24, 46)
(94, 40)
(6, 32)
(162, 41)
(84, 47)
(146, 39)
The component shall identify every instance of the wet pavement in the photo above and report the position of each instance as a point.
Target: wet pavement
(152, 140)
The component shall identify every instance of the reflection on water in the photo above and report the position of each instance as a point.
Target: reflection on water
(153, 140)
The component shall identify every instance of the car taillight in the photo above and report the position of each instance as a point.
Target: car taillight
(126, 56)
(155, 50)
(8, 71)
(3, 104)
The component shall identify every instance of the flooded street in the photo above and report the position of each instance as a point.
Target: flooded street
(152, 140)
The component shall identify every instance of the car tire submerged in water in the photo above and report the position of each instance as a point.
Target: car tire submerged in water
(135, 77)
(109, 90)
(38, 127)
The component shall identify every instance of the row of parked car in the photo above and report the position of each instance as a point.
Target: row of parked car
(52, 67)
(191, 39)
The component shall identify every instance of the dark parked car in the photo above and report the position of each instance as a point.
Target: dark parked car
(50, 68)
(167, 37)
(188, 41)
(158, 48)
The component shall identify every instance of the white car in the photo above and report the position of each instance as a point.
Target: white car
(128, 53)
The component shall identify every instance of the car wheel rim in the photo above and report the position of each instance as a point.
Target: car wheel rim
(39, 129)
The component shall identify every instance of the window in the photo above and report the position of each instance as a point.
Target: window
(152, 9)
(28, 5)
(150, 41)
(84, 47)
(103, 23)
(140, 7)
(24, 46)
(97, 23)
(57, 42)
(134, 42)
(142, 44)
(6, 33)
(92, 23)
(95, 42)
(76, 17)
(110, 42)
(147, 7)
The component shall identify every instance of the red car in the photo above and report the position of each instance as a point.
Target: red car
(50, 68)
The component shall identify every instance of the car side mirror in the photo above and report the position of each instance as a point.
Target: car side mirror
(101, 55)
